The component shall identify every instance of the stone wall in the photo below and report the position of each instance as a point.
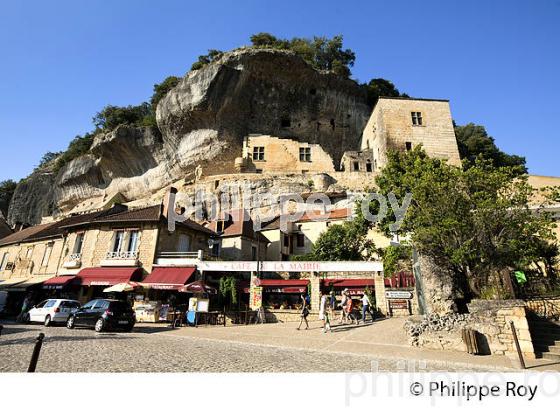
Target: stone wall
(283, 155)
(545, 307)
(390, 127)
(491, 319)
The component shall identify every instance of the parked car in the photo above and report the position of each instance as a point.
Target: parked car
(103, 314)
(52, 311)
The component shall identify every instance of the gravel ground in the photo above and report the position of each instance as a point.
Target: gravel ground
(158, 350)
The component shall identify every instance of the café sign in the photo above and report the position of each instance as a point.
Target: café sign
(290, 266)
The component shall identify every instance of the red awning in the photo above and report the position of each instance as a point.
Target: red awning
(58, 282)
(282, 285)
(349, 283)
(107, 276)
(165, 278)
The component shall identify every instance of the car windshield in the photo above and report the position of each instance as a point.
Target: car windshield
(89, 304)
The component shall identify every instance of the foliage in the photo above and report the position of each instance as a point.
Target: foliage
(205, 59)
(475, 222)
(77, 147)
(379, 87)
(344, 242)
(48, 158)
(111, 116)
(161, 90)
(228, 289)
(394, 257)
(321, 53)
(475, 143)
(7, 189)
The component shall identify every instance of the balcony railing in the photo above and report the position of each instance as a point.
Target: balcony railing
(122, 255)
(182, 258)
(75, 257)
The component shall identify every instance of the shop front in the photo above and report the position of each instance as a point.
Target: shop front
(94, 280)
(161, 295)
(65, 287)
(281, 298)
(356, 287)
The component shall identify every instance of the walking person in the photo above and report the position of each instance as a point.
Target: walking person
(25, 307)
(343, 304)
(350, 311)
(304, 312)
(365, 308)
(324, 307)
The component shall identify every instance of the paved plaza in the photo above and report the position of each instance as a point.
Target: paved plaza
(254, 348)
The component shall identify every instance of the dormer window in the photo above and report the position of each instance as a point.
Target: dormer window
(416, 118)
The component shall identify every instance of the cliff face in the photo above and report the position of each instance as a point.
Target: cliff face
(202, 123)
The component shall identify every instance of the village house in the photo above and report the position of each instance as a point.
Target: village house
(83, 254)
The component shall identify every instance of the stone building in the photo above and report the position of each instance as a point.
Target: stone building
(267, 154)
(95, 249)
(404, 123)
(237, 237)
(357, 161)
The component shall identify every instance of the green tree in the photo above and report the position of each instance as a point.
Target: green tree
(474, 143)
(77, 147)
(379, 87)
(111, 116)
(161, 90)
(344, 242)
(206, 59)
(322, 53)
(7, 189)
(48, 158)
(476, 223)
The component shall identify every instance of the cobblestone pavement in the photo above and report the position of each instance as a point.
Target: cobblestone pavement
(156, 349)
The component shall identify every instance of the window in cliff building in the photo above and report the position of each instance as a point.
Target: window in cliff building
(78, 243)
(133, 241)
(285, 123)
(4, 261)
(300, 238)
(318, 126)
(118, 243)
(258, 171)
(368, 166)
(220, 226)
(332, 123)
(416, 118)
(258, 153)
(305, 154)
(286, 240)
(47, 254)
(253, 253)
(408, 145)
(313, 91)
(356, 166)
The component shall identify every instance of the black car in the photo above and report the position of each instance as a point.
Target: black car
(103, 314)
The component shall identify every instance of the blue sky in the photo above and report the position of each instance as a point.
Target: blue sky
(61, 62)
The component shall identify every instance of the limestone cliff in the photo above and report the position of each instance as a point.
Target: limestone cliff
(202, 122)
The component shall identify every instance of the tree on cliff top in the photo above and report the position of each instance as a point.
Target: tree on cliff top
(161, 90)
(321, 53)
(7, 189)
(379, 87)
(475, 222)
(475, 143)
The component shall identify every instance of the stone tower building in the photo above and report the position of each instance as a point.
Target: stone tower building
(403, 123)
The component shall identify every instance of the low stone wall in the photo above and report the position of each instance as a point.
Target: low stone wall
(490, 318)
(548, 308)
(287, 315)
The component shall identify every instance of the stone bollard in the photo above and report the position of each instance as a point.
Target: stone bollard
(36, 352)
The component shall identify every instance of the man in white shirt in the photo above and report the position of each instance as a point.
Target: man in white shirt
(365, 307)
